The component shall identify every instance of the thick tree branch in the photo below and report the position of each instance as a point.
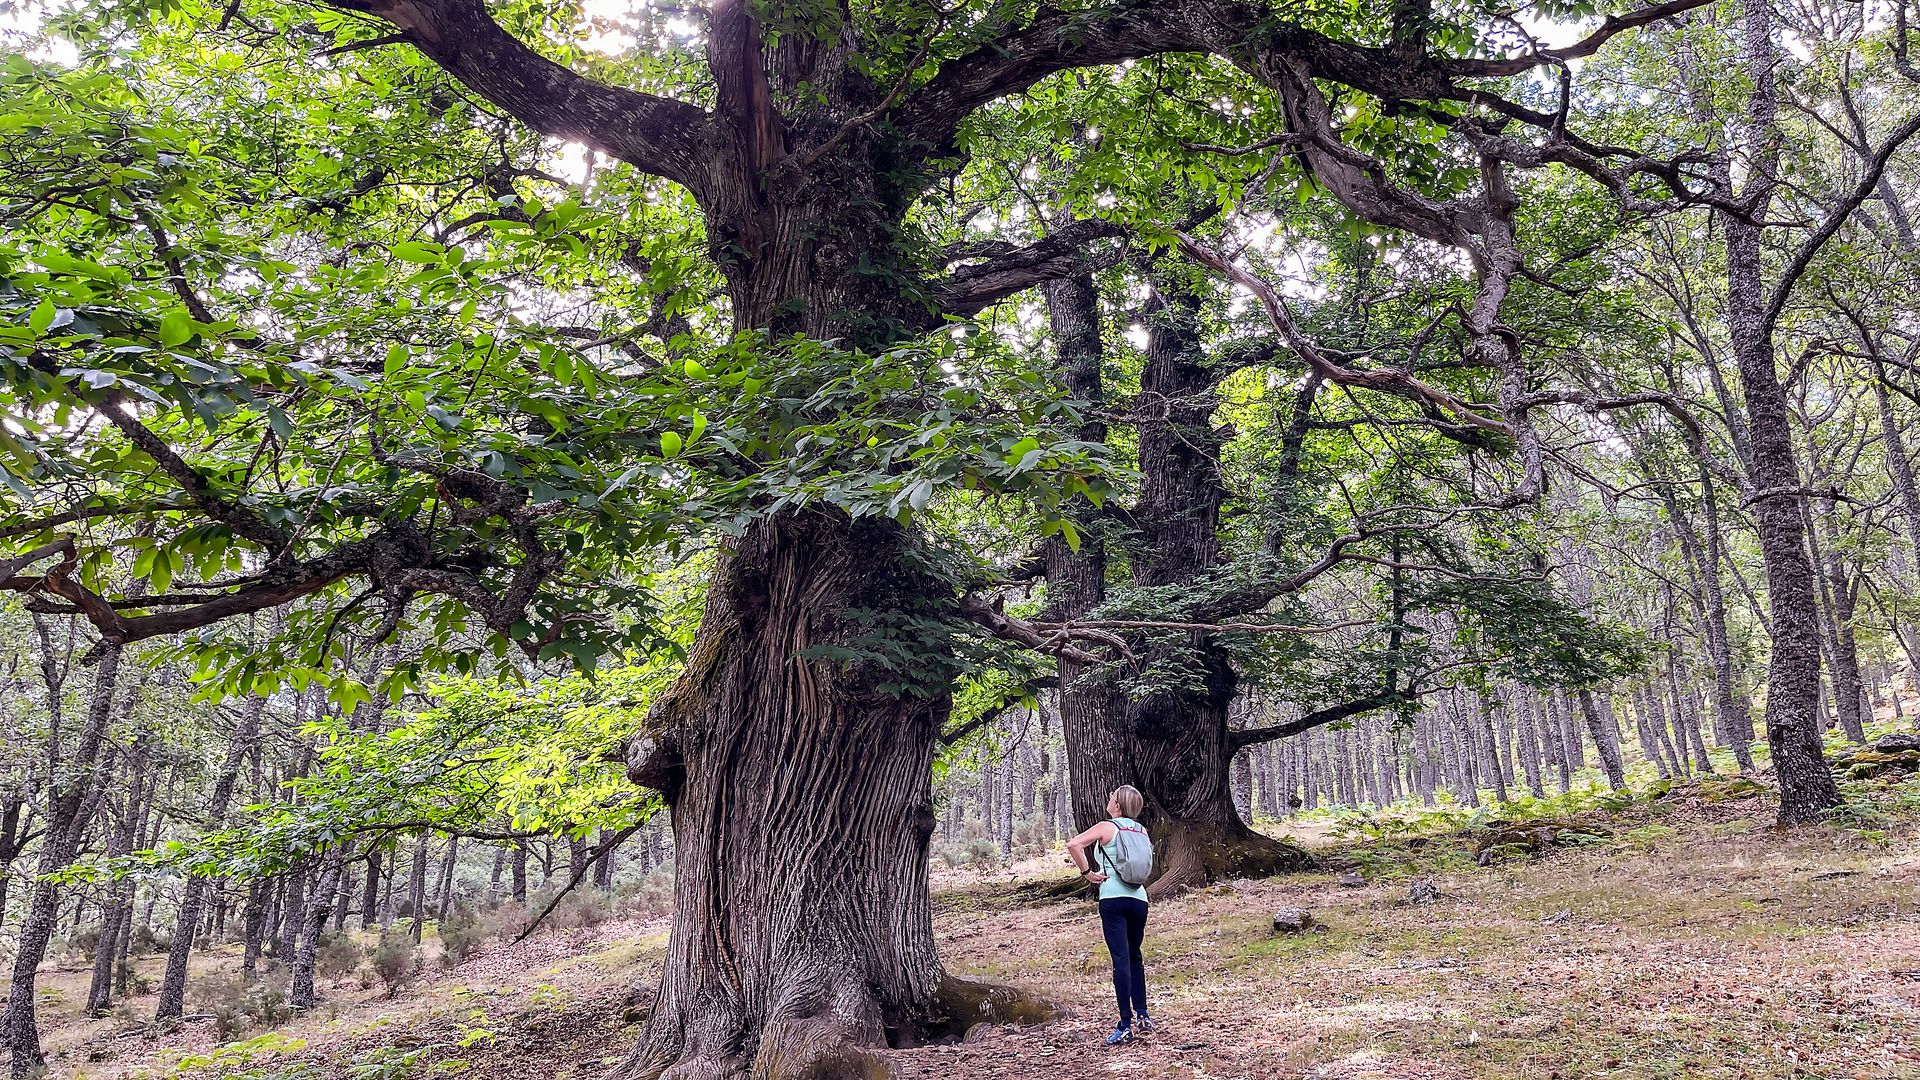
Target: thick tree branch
(1001, 625)
(1199, 627)
(654, 134)
(1061, 253)
(1055, 39)
(1322, 717)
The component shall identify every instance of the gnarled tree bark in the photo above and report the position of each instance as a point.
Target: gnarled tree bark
(801, 797)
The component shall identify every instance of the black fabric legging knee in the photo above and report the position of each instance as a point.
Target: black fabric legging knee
(1123, 922)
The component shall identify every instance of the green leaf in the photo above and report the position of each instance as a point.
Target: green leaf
(42, 316)
(176, 328)
(416, 251)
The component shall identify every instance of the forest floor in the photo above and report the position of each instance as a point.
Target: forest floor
(1678, 936)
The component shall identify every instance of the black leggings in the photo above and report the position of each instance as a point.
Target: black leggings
(1123, 922)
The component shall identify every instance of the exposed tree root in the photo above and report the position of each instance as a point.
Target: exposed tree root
(1194, 855)
(821, 1035)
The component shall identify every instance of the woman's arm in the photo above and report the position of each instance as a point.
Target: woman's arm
(1077, 847)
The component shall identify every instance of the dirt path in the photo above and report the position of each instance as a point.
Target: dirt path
(1696, 943)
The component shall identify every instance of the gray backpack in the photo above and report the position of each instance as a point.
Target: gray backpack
(1132, 857)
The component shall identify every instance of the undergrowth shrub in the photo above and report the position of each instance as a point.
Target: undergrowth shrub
(396, 960)
(581, 909)
(82, 942)
(650, 895)
(462, 933)
(337, 955)
(237, 1006)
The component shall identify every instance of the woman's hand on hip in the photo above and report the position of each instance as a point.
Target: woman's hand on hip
(1095, 876)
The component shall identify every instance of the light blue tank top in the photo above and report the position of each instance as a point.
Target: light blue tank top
(1113, 886)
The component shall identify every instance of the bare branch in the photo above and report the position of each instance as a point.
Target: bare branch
(1397, 383)
(1322, 717)
(1836, 219)
(1611, 27)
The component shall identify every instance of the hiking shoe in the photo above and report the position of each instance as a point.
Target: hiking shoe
(1143, 1024)
(1120, 1035)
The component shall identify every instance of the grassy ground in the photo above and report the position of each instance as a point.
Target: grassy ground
(1676, 936)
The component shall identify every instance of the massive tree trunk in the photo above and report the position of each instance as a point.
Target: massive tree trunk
(1182, 746)
(797, 766)
(1077, 580)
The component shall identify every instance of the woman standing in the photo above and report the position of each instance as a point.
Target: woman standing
(1123, 909)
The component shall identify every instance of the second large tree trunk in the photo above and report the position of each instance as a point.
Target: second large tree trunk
(795, 755)
(1182, 749)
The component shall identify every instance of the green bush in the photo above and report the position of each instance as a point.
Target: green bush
(580, 909)
(396, 960)
(337, 955)
(236, 1006)
(462, 933)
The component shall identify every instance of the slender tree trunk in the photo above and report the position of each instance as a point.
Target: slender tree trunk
(1842, 596)
(173, 985)
(1528, 734)
(116, 917)
(1490, 747)
(1649, 745)
(293, 915)
(370, 894)
(1599, 726)
(1570, 744)
(253, 929)
(313, 925)
(417, 889)
(444, 892)
(1733, 722)
(1793, 676)
(343, 898)
(69, 804)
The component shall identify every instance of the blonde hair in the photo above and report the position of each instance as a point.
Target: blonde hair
(1128, 799)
